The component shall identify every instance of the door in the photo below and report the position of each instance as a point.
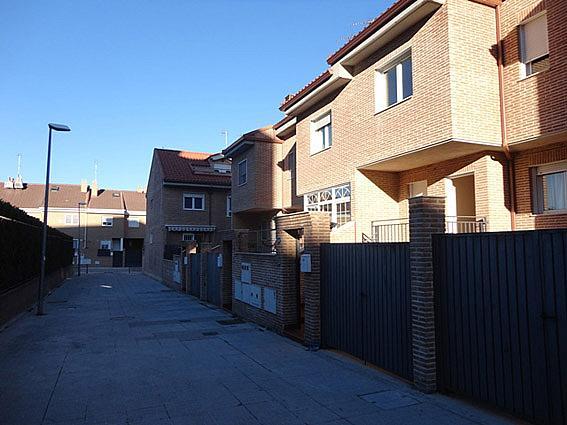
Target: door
(213, 279)
(195, 262)
(117, 257)
(366, 303)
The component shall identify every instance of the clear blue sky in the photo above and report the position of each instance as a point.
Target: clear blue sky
(128, 76)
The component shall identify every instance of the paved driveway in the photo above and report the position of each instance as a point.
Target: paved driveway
(123, 349)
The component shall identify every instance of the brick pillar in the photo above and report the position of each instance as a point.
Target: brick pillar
(319, 232)
(426, 217)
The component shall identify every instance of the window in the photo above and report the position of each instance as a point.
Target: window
(194, 201)
(133, 222)
(242, 172)
(186, 237)
(107, 245)
(418, 189)
(550, 188)
(71, 219)
(321, 133)
(75, 244)
(334, 201)
(534, 45)
(106, 221)
(229, 206)
(394, 83)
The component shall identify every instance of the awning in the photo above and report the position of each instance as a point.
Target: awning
(428, 155)
(189, 228)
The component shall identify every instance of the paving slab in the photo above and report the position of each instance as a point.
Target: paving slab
(124, 349)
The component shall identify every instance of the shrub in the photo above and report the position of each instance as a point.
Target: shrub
(20, 247)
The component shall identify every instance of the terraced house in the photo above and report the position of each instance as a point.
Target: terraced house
(188, 201)
(457, 98)
(108, 224)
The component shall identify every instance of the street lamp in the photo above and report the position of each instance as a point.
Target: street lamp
(52, 127)
(79, 204)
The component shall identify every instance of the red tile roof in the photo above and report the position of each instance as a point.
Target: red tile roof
(60, 196)
(189, 167)
(290, 99)
(371, 28)
(69, 195)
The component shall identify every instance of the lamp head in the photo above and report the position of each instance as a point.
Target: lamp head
(58, 127)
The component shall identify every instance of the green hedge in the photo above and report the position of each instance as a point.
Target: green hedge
(20, 247)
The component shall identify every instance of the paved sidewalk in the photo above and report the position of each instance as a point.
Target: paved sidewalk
(123, 349)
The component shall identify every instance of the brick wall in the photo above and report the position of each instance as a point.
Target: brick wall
(535, 105)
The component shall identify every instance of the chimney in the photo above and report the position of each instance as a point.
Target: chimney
(9, 184)
(84, 186)
(140, 189)
(94, 189)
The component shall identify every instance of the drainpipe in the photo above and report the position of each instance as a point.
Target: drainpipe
(503, 130)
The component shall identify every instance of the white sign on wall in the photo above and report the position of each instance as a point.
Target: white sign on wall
(237, 290)
(246, 272)
(254, 296)
(305, 265)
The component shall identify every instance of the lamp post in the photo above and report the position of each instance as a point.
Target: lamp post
(52, 127)
(79, 204)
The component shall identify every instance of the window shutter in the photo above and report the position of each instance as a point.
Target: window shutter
(537, 201)
(535, 39)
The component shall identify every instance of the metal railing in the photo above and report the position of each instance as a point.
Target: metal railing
(397, 230)
(257, 241)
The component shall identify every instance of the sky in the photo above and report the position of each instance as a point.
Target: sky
(131, 75)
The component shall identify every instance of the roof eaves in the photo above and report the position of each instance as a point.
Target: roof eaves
(308, 88)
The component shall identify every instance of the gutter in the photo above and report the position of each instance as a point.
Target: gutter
(503, 127)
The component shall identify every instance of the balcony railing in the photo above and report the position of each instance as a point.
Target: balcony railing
(397, 230)
(257, 241)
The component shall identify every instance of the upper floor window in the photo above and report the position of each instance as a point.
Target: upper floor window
(194, 201)
(534, 45)
(71, 219)
(321, 133)
(550, 188)
(106, 221)
(133, 222)
(105, 244)
(229, 206)
(394, 83)
(242, 172)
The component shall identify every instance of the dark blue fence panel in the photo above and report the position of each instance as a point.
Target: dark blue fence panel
(501, 320)
(366, 303)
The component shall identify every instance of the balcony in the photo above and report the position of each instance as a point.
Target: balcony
(397, 230)
(257, 241)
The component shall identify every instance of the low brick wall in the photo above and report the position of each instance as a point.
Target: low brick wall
(267, 273)
(17, 300)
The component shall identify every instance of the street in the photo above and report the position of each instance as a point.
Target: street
(124, 349)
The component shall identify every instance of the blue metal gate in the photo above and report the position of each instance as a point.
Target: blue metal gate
(501, 320)
(213, 279)
(195, 288)
(366, 303)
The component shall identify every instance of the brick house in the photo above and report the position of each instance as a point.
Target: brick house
(423, 101)
(188, 200)
(112, 222)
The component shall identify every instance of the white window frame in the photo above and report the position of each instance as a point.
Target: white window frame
(321, 133)
(107, 221)
(538, 195)
(133, 223)
(194, 196)
(71, 219)
(245, 162)
(229, 205)
(418, 188)
(527, 63)
(339, 194)
(187, 237)
(106, 244)
(381, 82)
